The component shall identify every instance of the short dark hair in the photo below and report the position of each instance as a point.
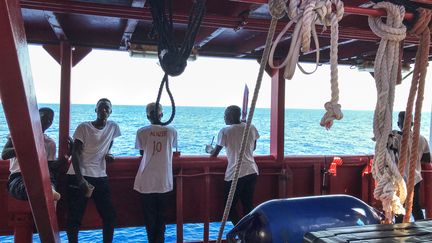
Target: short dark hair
(233, 111)
(103, 100)
(47, 111)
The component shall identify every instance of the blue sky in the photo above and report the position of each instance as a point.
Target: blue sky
(205, 82)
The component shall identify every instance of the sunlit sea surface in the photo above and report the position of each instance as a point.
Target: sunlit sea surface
(197, 126)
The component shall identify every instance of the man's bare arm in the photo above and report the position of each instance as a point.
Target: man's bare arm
(216, 151)
(8, 150)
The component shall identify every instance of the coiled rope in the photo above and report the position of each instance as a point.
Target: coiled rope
(277, 10)
(306, 14)
(173, 59)
(385, 172)
(420, 29)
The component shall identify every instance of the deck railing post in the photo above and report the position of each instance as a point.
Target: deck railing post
(277, 116)
(179, 207)
(20, 107)
(207, 204)
(65, 87)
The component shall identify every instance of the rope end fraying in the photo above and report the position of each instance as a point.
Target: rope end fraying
(333, 112)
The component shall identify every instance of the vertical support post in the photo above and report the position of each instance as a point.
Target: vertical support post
(65, 86)
(20, 107)
(23, 228)
(317, 179)
(277, 116)
(430, 130)
(427, 188)
(179, 203)
(207, 204)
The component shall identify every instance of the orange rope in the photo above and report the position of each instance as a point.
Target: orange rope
(422, 30)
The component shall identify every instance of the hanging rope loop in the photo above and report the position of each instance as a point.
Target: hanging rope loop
(390, 188)
(172, 58)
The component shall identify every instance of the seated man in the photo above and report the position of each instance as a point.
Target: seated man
(15, 184)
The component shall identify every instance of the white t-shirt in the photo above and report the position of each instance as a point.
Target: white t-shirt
(423, 147)
(231, 137)
(95, 146)
(155, 171)
(50, 150)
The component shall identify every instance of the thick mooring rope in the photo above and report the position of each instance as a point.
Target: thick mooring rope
(420, 29)
(173, 59)
(385, 172)
(306, 14)
(277, 10)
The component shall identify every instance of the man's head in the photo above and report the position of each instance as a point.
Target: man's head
(232, 115)
(103, 109)
(150, 109)
(46, 116)
(401, 118)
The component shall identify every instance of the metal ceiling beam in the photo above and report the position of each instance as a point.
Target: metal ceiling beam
(78, 53)
(210, 20)
(54, 22)
(20, 107)
(131, 24)
(205, 37)
(327, 47)
(348, 9)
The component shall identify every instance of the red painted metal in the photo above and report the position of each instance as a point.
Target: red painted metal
(179, 206)
(79, 53)
(277, 114)
(207, 202)
(427, 188)
(210, 20)
(347, 9)
(65, 87)
(20, 108)
(195, 201)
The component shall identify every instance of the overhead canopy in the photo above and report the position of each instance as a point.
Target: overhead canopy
(230, 28)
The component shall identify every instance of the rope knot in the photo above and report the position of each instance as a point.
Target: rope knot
(333, 112)
(393, 29)
(277, 8)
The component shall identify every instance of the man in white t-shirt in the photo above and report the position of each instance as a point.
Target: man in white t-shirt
(230, 137)
(423, 157)
(154, 179)
(87, 177)
(15, 184)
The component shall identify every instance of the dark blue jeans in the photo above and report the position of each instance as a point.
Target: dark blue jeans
(16, 187)
(244, 191)
(154, 209)
(77, 203)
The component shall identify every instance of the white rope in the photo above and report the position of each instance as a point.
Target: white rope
(390, 188)
(277, 10)
(306, 14)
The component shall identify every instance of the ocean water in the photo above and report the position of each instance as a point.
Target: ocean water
(197, 126)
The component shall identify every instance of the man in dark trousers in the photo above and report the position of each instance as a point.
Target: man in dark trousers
(230, 137)
(154, 179)
(87, 177)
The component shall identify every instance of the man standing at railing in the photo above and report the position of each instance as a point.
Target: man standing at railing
(231, 137)
(154, 179)
(423, 157)
(87, 177)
